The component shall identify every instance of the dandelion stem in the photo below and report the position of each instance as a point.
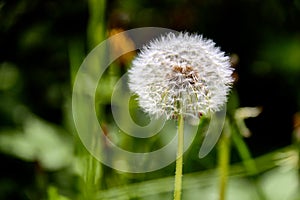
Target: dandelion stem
(179, 164)
(224, 157)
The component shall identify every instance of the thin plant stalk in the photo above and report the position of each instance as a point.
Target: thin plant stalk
(242, 149)
(224, 159)
(92, 168)
(179, 160)
(96, 24)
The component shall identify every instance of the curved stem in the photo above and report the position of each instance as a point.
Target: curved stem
(178, 173)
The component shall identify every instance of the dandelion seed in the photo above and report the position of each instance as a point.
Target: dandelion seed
(182, 74)
(179, 76)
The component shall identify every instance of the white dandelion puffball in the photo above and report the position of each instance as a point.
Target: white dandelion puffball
(182, 74)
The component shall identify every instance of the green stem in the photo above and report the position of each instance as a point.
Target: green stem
(224, 158)
(178, 173)
(243, 150)
(244, 153)
(96, 24)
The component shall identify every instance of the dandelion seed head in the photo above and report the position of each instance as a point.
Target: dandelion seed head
(180, 74)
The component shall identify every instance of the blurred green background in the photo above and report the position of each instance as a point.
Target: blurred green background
(42, 44)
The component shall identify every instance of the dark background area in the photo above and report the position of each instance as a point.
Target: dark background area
(35, 38)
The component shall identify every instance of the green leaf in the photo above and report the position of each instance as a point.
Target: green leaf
(40, 141)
